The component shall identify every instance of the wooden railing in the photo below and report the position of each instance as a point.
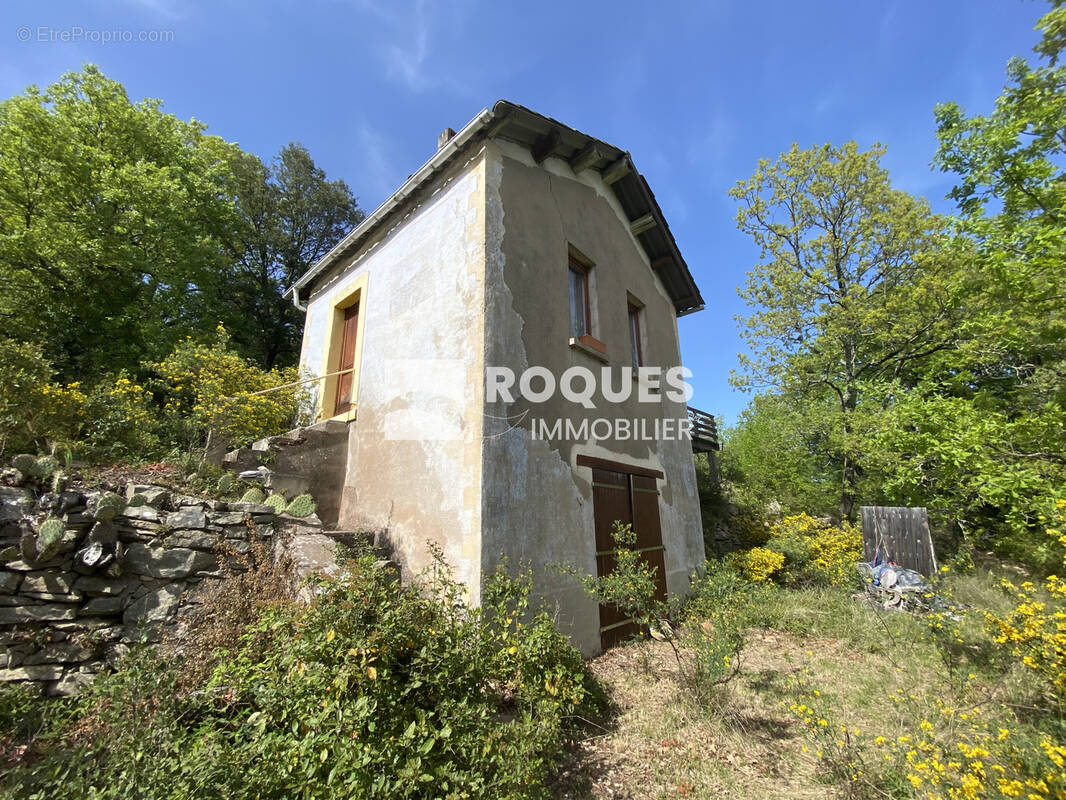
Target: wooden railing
(704, 431)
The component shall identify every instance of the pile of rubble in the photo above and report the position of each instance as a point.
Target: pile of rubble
(895, 588)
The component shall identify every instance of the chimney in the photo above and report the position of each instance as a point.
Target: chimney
(445, 137)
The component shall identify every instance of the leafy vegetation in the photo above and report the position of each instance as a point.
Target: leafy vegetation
(128, 237)
(373, 691)
(904, 358)
(201, 388)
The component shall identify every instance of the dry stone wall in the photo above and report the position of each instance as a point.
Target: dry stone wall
(102, 574)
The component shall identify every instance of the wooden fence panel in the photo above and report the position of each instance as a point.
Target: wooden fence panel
(901, 535)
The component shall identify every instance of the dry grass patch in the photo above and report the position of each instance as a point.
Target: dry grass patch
(744, 743)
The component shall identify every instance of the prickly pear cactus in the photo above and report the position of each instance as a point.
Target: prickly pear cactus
(225, 483)
(49, 535)
(24, 463)
(302, 505)
(109, 506)
(278, 501)
(45, 467)
(59, 482)
(253, 496)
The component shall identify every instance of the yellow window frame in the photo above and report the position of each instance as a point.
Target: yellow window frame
(339, 301)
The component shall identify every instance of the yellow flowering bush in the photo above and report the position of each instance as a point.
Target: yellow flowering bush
(121, 419)
(209, 387)
(963, 753)
(815, 551)
(34, 410)
(61, 413)
(756, 564)
(1035, 630)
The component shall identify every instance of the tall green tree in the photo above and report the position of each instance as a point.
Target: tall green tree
(782, 449)
(849, 289)
(1012, 202)
(292, 215)
(982, 429)
(114, 219)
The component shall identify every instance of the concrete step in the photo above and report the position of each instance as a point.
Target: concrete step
(330, 427)
(242, 459)
(289, 484)
(311, 459)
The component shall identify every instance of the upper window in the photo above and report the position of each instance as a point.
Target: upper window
(635, 314)
(580, 308)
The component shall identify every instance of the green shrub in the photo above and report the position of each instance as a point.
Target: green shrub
(34, 410)
(718, 611)
(374, 691)
(816, 553)
(121, 420)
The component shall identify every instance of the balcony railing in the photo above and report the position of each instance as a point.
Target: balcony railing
(704, 431)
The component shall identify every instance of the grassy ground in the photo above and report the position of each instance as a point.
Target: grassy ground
(877, 672)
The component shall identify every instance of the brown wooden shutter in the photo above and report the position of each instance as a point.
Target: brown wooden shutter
(630, 499)
(345, 381)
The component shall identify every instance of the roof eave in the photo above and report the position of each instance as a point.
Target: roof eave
(546, 138)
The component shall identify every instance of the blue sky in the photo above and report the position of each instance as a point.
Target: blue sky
(697, 92)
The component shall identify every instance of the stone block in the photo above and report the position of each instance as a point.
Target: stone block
(59, 653)
(55, 582)
(70, 684)
(154, 496)
(9, 582)
(188, 517)
(49, 597)
(102, 606)
(42, 672)
(95, 586)
(166, 562)
(141, 514)
(195, 540)
(155, 606)
(37, 613)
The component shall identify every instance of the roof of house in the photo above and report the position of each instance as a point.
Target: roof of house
(545, 137)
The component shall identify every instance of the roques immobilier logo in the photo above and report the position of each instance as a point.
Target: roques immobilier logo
(578, 404)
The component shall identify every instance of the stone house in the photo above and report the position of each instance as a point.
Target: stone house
(522, 254)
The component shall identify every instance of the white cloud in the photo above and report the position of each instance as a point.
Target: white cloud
(377, 174)
(406, 35)
(169, 9)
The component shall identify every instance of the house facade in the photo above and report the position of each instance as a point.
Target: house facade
(456, 331)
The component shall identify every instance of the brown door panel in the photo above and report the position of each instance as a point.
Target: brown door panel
(345, 382)
(632, 499)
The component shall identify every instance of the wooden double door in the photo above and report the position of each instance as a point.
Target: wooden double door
(629, 495)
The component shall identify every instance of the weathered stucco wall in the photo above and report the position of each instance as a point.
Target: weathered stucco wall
(537, 504)
(474, 275)
(414, 465)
